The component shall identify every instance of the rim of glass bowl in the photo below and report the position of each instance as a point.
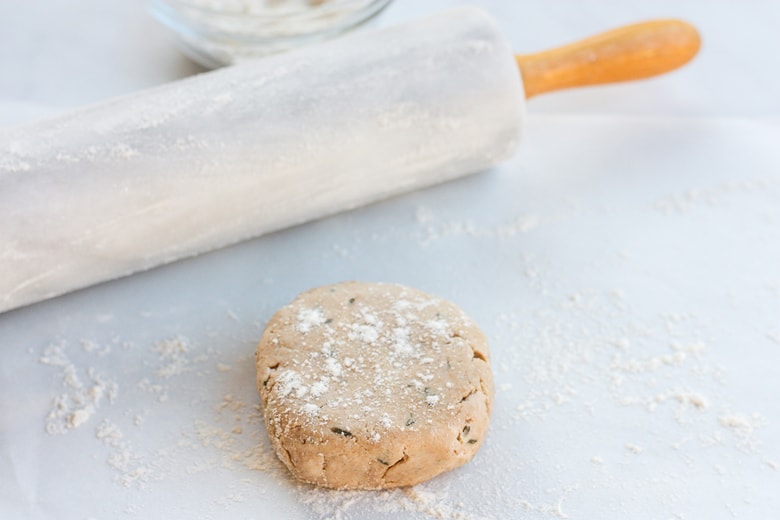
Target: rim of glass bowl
(177, 15)
(326, 6)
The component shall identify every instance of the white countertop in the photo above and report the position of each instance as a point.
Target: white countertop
(625, 265)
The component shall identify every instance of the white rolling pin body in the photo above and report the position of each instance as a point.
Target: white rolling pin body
(197, 164)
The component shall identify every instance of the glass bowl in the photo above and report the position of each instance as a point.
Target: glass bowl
(222, 32)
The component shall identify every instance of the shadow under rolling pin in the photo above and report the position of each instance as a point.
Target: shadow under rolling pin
(194, 165)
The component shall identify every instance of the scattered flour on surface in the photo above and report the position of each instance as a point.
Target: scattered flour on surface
(743, 427)
(173, 359)
(83, 392)
(131, 468)
(694, 198)
(431, 228)
(421, 500)
(633, 448)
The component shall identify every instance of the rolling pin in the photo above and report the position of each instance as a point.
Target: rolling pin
(197, 164)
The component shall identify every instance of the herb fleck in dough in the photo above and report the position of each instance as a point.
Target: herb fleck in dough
(370, 386)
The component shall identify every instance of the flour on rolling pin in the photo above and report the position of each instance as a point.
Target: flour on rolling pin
(191, 166)
(194, 165)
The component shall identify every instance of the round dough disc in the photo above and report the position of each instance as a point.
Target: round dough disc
(370, 386)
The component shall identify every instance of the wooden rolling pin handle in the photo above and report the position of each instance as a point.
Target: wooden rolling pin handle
(632, 52)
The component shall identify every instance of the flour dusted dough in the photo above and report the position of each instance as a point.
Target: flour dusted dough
(369, 385)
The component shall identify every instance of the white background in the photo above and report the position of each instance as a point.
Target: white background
(625, 265)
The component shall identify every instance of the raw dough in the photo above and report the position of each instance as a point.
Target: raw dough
(369, 386)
